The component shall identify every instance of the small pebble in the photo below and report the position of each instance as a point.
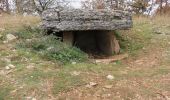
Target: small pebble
(75, 73)
(5, 42)
(108, 86)
(7, 67)
(34, 99)
(110, 77)
(11, 66)
(30, 67)
(73, 63)
(91, 84)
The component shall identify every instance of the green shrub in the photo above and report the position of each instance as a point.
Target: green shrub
(70, 54)
(52, 48)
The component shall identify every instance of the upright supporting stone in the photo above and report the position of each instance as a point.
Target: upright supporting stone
(108, 43)
(68, 38)
(115, 43)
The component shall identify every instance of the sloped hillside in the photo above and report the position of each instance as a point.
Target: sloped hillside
(38, 67)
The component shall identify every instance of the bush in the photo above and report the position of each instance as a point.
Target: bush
(68, 55)
(52, 48)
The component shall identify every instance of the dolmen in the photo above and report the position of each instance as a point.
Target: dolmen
(89, 30)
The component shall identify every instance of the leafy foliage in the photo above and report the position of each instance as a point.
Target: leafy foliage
(52, 48)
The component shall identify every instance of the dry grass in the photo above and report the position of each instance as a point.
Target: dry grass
(15, 22)
(163, 20)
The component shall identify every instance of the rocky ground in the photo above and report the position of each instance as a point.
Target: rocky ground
(144, 75)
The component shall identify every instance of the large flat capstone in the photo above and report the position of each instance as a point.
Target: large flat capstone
(82, 20)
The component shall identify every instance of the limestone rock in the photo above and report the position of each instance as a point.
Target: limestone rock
(10, 66)
(110, 77)
(75, 73)
(73, 63)
(30, 66)
(81, 19)
(91, 84)
(10, 37)
(7, 67)
(108, 86)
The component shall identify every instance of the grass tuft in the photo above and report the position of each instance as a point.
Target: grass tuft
(65, 82)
